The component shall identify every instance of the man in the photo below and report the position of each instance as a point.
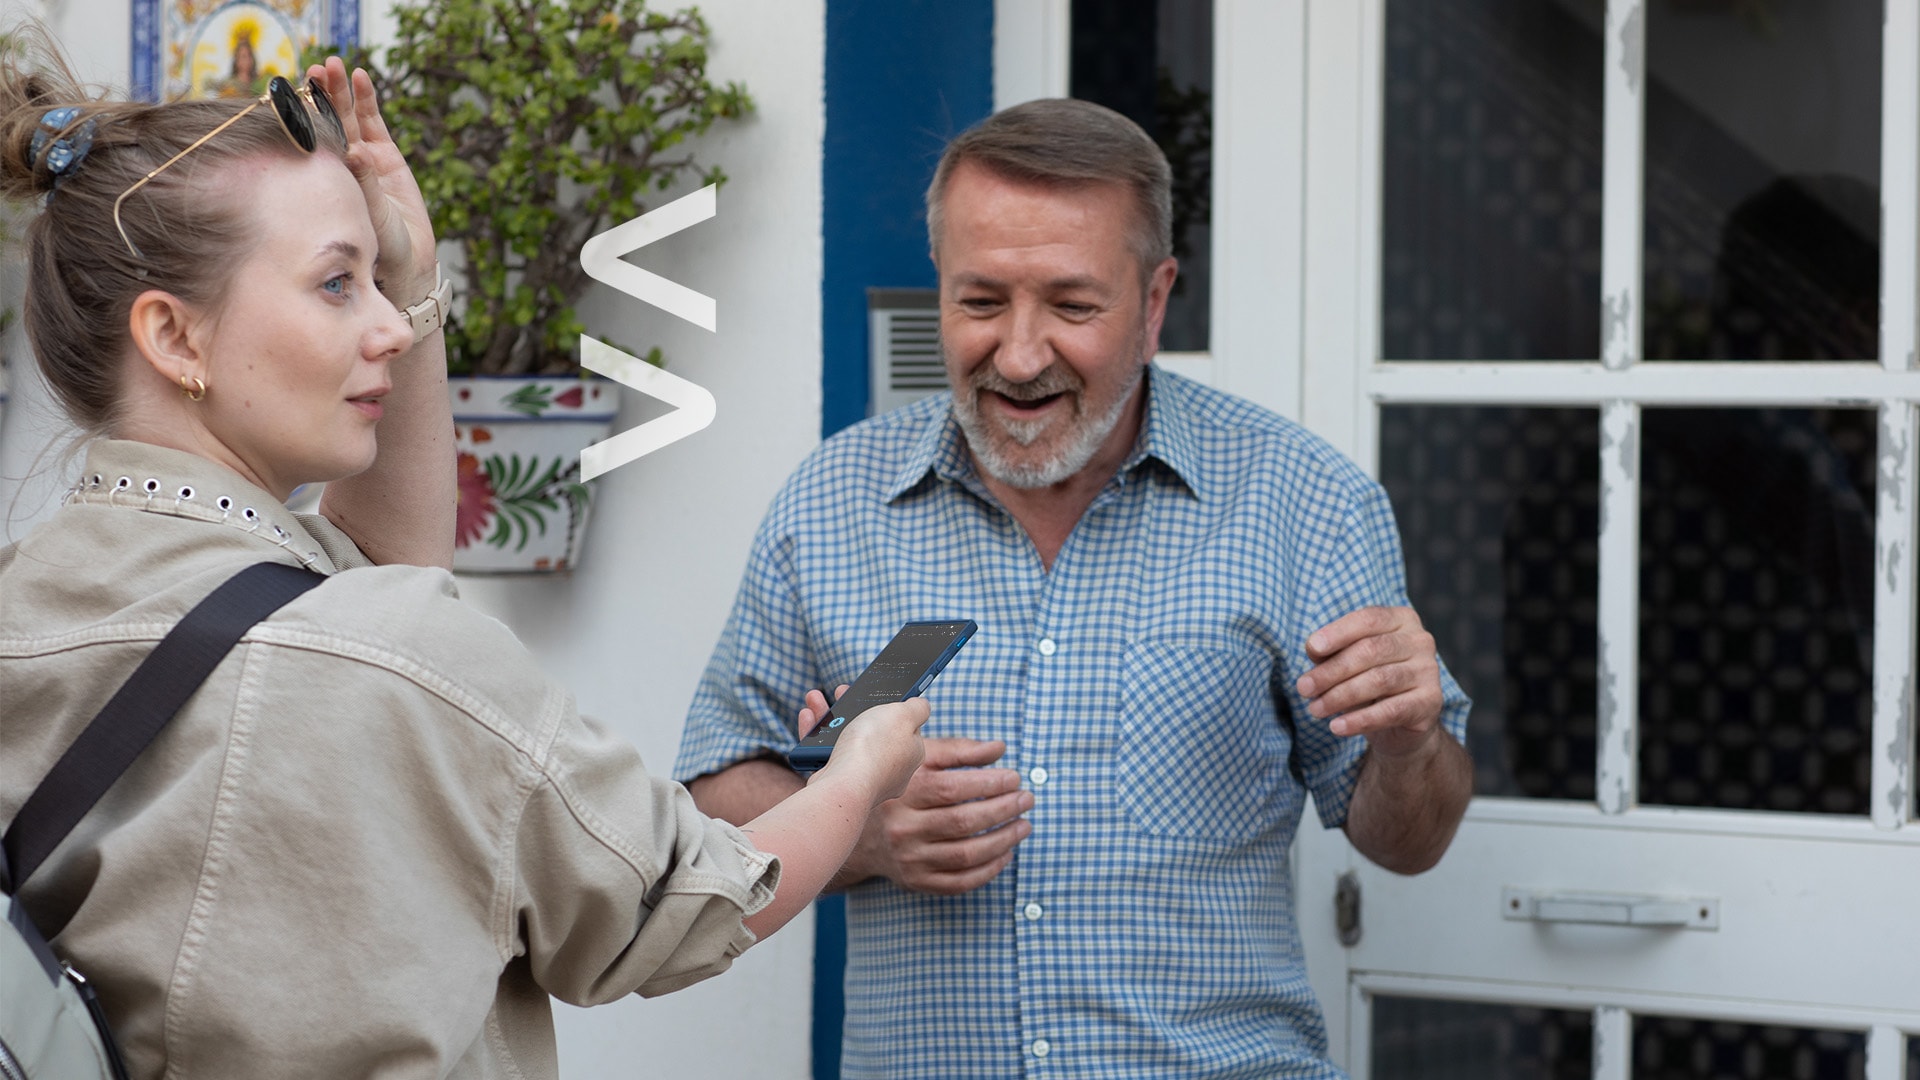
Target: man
(1175, 589)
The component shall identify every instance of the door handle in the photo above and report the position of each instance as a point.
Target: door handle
(1610, 909)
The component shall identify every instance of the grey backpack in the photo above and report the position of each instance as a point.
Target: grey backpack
(51, 1025)
(50, 1022)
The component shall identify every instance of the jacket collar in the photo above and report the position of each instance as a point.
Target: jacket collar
(142, 477)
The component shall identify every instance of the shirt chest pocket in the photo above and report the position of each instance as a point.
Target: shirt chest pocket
(1201, 754)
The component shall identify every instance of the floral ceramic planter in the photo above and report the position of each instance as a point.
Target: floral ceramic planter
(522, 506)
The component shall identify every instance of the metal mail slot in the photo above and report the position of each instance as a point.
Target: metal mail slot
(1610, 909)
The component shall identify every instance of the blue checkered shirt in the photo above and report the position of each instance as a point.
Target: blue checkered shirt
(1144, 688)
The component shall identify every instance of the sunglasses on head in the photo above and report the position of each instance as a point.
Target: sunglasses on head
(294, 119)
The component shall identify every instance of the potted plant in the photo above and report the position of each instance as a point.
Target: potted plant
(533, 125)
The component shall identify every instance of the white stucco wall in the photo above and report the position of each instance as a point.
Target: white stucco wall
(630, 630)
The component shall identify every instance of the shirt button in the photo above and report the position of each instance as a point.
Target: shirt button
(1033, 912)
(1041, 1048)
(1038, 775)
(1047, 647)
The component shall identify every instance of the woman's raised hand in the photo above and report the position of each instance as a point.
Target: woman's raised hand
(400, 221)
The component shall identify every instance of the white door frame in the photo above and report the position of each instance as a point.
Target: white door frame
(1811, 927)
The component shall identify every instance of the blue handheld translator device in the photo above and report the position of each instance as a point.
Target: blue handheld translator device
(904, 669)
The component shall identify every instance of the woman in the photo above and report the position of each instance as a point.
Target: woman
(377, 839)
(243, 77)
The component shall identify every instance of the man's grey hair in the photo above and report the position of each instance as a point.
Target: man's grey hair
(1067, 143)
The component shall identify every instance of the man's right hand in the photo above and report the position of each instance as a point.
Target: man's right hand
(953, 829)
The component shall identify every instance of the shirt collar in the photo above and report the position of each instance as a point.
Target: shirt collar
(140, 476)
(941, 449)
(1166, 436)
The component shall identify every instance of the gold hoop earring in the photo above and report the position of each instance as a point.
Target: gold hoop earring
(195, 392)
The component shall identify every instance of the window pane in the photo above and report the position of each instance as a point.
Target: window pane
(1763, 181)
(1491, 180)
(1756, 617)
(1665, 1048)
(1414, 1039)
(1499, 510)
(1152, 61)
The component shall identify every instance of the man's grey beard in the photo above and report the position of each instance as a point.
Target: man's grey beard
(1074, 456)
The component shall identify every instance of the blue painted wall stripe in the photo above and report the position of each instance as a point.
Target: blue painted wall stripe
(902, 77)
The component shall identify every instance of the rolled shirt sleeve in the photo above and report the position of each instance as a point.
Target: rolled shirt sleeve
(592, 841)
(1360, 566)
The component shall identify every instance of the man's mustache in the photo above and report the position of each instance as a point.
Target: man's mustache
(1056, 379)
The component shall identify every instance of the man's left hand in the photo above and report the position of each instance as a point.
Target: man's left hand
(1376, 673)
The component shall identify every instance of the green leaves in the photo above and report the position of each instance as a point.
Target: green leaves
(525, 495)
(532, 125)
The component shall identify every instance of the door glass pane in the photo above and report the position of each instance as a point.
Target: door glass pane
(1913, 1059)
(1491, 180)
(1666, 1048)
(1763, 181)
(1415, 1039)
(1499, 511)
(1152, 61)
(1756, 608)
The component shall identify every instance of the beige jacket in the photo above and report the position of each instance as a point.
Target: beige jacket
(377, 838)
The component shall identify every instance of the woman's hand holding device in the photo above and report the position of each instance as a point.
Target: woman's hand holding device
(881, 752)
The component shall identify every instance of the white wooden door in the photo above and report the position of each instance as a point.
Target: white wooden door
(1587, 311)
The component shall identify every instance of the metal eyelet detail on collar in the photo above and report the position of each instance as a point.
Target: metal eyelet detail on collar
(252, 519)
(123, 484)
(96, 481)
(225, 504)
(285, 540)
(151, 487)
(184, 493)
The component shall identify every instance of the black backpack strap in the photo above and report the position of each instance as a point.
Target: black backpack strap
(144, 704)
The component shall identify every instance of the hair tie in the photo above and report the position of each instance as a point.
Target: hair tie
(65, 155)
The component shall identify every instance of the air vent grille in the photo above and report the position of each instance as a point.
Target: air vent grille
(904, 328)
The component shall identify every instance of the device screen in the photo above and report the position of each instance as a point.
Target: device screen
(902, 670)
